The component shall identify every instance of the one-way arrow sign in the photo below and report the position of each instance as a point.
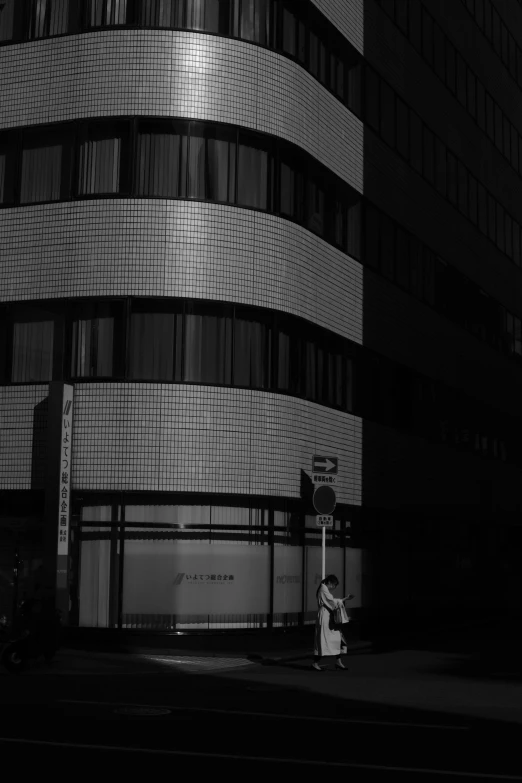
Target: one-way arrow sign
(328, 465)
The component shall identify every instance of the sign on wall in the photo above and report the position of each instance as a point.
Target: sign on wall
(182, 577)
(64, 507)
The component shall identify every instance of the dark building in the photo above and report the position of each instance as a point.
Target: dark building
(238, 234)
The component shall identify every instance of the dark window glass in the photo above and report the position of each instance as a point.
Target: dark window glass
(506, 148)
(500, 227)
(302, 34)
(514, 147)
(152, 345)
(508, 233)
(371, 91)
(221, 162)
(252, 341)
(158, 160)
(416, 25)
(45, 166)
(160, 13)
(439, 52)
(32, 357)
(415, 267)
(290, 358)
(387, 113)
(287, 191)
(463, 176)
(416, 142)
(252, 174)
(498, 127)
(100, 159)
(512, 57)
(92, 350)
(210, 16)
(309, 361)
(505, 45)
(387, 247)
(492, 218)
(428, 276)
(252, 20)
(488, 20)
(490, 117)
(105, 13)
(353, 240)
(481, 106)
(315, 192)
(403, 258)
(451, 78)
(289, 32)
(403, 128)
(452, 178)
(354, 85)
(402, 15)
(497, 32)
(472, 93)
(7, 167)
(330, 373)
(516, 243)
(372, 237)
(341, 222)
(427, 36)
(428, 154)
(482, 209)
(207, 344)
(337, 80)
(314, 55)
(461, 80)
(440, 167)
(47, 17)
(479, 13)
(473, 199)
(8, 12)
(519, 66)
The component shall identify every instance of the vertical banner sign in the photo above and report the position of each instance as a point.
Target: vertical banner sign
(64, 503)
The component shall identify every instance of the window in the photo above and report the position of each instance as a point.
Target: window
(158, 160)
(428, 155)
(252, 341)
(387, 247)
(516, 243)
(514, 148)
(159, 13)
(452, 178)
(427, 37)
(440, 167)
(252, 20)
(416, 25)
(416, 142)
(92, 350)
(315, 212)
(7, 167)
(372, 100)
(105, 13)
(289, 33)
(354, 82)
(507, 138)
(451, 76)
(463, 176)
(403, 136)
(500, 227)
(481, 106)
(439, 52)
(492, 231)
(209, 15)
(47, 17)
(8, 15)
(45, 167)
(152, 344)
(372, 236)
(252, 176)
(291, 355)
(461, 80)
(498, 127)
(353, 246)
(472, 93)
(403, 259)
(490, 117)
(473, 197)
(387, 113)
(100, 159)
(482, 208)
(208, 345)
(32, 358)
(508, 233)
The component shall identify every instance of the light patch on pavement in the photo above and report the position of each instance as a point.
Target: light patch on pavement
(193, 663)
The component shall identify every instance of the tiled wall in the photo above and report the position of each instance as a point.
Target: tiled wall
(164, 437)
(179, 74)
(178, 248)
(348, 17)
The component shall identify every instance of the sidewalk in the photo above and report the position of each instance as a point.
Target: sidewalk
(265, 648)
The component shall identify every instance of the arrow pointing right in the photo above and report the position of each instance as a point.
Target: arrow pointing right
(327, 463)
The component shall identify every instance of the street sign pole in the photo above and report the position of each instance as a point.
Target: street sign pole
(324, 554)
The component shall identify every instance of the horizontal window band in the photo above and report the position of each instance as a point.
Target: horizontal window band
(231, 166)
(217, 344)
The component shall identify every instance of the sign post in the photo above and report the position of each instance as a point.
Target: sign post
(324, 474)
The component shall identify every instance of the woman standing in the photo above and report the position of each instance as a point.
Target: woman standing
(328, 637)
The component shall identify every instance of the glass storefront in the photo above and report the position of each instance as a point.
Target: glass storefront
(200, 567)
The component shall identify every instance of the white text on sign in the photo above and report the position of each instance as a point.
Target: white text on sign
(324, 520)
(321, 478)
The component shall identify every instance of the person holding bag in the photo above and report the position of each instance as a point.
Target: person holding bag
(329, 639)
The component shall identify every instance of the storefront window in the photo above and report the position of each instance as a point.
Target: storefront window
(32, 351)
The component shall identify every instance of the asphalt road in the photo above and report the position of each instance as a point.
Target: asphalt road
(234, 718)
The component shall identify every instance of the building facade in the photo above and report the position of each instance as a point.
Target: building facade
(238, 234)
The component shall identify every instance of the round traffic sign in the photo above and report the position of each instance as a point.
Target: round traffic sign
(324, 499)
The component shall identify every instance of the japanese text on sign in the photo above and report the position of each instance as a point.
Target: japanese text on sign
(65, 471)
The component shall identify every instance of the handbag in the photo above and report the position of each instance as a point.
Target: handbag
(340, 615)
